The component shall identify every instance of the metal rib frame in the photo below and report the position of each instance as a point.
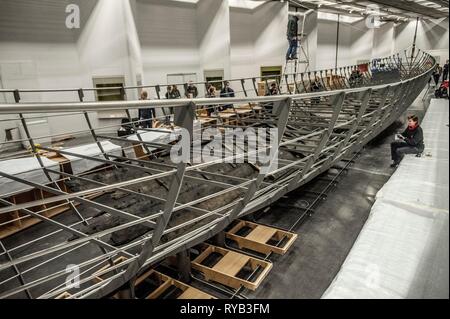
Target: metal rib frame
(320, 128)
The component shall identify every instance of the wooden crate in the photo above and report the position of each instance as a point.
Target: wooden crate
(53, 209)
(225, 271)
(259, 236)
(116, 262)
(166, 282)
(64, 295)
(97, 279)
(228, 117)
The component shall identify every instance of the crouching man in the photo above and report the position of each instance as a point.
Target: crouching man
(408, 142)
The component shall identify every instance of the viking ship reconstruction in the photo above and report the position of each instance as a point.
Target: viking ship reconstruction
(110, 201)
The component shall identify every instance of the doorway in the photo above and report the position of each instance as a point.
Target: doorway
(214, 76)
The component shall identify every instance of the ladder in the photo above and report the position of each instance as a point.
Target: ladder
(292, 68)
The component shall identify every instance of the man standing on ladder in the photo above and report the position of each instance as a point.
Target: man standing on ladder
(292, 32)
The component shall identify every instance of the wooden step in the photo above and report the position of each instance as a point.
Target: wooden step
(258, 238)
(225, 271)
(166, 283)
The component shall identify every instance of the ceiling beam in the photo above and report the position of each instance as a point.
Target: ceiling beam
(356, 13)
(325, 8)
(412, 7)
(382, 10)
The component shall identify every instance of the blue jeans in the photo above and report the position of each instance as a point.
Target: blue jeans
(292, 50)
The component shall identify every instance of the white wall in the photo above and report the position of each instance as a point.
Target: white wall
(271, 43)
(167, 31)
(358, 42)
(108, 41)
(311, 32)
(43, 53)
(390, 38)
(37, 51)
(353, 41)
(361, 42)
(258, 38)
(383, 40)
(432, 36)
(242, 36)
(326, 43)
(213, 33)
(345, 45)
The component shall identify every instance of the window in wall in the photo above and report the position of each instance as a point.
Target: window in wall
(105, 94)
(214, 75)
(272, 72)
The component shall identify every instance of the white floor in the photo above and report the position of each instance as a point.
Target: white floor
(403, 249)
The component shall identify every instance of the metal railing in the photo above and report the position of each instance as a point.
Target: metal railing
(320, 117)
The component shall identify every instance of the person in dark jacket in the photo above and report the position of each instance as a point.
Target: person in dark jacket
(445, 72)
(146, 115)
(191, 91)
(316, 86)
(176, 92)
(172, 93)
(292, 32)
(211, 94)
(409, 142)
(273, 90)
(227, 91)
(437, 74)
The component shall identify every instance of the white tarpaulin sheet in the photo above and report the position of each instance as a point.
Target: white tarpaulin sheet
(403, 249)
(25, 168)
(162, 136)
(80, 165)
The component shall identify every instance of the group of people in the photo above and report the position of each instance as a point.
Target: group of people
(410, 141)
(146, 115)
(440, 73)
(225, 92)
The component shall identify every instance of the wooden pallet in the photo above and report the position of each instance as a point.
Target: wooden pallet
(225, 271)
(167, 282)
(50, 210)
(25, 221)
(228, 117)
(252, 107)
(116, 262)
(259, 236)
(96, 279)
(64, 295)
